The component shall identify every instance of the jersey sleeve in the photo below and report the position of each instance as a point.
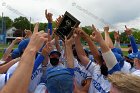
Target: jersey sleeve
(3, 79)
(133, 44)
(110, 60)
(38, 61)
(49, 27)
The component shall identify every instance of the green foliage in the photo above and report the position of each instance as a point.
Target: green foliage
(87, 29)
(7, 21)
(21, 23)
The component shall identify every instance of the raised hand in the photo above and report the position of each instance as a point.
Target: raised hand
(81, 33)
(116, 35)
(47, 49)
(37, 39)
(69, 42)
(49, 16)
(17, 40)
(28, 33)
(128, 31)
(58, 20)
(106, 28)
(96, 35)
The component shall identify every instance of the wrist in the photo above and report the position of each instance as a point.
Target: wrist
(13, 42)
(130, 35)
(30, 50)
(49, 21)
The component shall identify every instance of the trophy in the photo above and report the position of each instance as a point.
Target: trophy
(66, 26)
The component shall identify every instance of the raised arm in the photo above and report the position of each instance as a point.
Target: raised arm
(128, 31)
(5, 67)
(107, 54)
(9, 49)
(69, 53)
(84, 60)
(107, 37)
(21, 77)
(117, 40)
(49, 18)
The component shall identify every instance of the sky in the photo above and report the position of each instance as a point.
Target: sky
(115, 13)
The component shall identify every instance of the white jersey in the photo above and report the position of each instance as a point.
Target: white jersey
(35, 78)
(99, 83)
(12, 69)
(137, 72)
(80, 72)
(3, 79)
(126, 67)
(41, 88)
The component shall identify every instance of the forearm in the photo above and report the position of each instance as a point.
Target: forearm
(117, 44)
(133, 44)
(57, 45)
(8, 51)
(22, 74)
(69, 57)
(104, 47)
(94, 51)
(80, 52)
(108, 40)
(5, 67)
(38, 61)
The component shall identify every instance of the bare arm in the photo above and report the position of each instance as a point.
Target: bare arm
(107, 38)
(9, 49)
(79, 49)
(117, 40)
(5, 67)
(69, 53)
(21, 78)
(108, 56)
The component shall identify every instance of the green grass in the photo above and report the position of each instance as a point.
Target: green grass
(0, 55)
(125, 53)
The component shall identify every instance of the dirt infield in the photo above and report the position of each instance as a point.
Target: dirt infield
(124, 49)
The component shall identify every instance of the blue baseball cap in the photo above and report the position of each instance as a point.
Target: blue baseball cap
(55, 52)
(138, 55)
(132, 55)
(23, 44)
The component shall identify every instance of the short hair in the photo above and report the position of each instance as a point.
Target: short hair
(125, 83)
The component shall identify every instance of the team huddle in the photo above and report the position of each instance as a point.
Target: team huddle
(42, 63)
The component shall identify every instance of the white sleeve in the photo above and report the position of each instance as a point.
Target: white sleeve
(3, 79)
(109, 59)
(41, 88)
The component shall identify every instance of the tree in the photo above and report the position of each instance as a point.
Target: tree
(87, 29)
(21, 23)
(8, 22)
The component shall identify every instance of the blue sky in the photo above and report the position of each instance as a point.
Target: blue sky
(115, 12)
